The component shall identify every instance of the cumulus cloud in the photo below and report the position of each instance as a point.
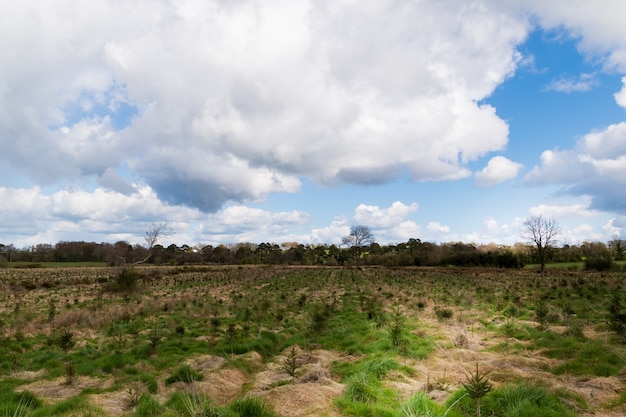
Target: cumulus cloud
(598, 25)
(212, 104)
(437, 227)
(75, 214)
(391, 224)
(620, 96)
(105, 215)
(595, 167)
(498, 169)
(376, 217)
(233, 101)
(580, 208)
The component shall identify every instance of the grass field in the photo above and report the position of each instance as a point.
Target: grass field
(309, 341)
(54, 264)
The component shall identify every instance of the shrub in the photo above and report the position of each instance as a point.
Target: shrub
(66, 340)
(396, 329)
(290, 364)
(616, 319)
(125, 280)
(599, 263)
(443, 313)
(477, 386)
(541, 313)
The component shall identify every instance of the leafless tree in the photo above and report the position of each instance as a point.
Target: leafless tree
(359, 237)
(543, 232)
(156, 232)
(152, 237)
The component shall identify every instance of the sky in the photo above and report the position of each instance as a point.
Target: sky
(291, 120)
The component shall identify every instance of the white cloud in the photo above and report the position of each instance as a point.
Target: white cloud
(574, 209)
(595, 167)
(620, 97)
(241, 99)
(232, 101)
(437, 227)
(330, 234)
(490, 223)
(598, 25)
(376, 217)
(498, 169)
(568, 84)
(558, 166)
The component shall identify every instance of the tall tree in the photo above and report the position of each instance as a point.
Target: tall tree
(543, 232)
(360, 236)
(618, 246)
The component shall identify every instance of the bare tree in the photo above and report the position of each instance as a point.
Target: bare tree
(152, 237)
(359, 237)
(156, 232)
(543, 232)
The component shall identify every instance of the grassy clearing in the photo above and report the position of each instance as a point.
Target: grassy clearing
(396, 336)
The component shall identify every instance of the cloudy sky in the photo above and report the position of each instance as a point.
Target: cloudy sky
(290, 120)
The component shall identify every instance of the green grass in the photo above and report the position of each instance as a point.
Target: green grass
(515, 401)
(148, 406)
(347, 311)
(184, 373)
(17, 404)
(421, 406)
(364, 394)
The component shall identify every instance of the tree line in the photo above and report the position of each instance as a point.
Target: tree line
(414, 252)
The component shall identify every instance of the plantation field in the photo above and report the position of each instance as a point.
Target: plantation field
(311, 341)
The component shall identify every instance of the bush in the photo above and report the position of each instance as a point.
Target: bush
(124, 281)
(616, 319)
(598, 263)
(443, 313)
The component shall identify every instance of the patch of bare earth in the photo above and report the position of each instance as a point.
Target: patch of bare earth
(311, 393)
(56, 390)
(222, 385)
(112, 403)
(461, 348)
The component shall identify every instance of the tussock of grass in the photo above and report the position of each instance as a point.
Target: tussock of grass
(17, 404)
(184, 373)
(514, 400)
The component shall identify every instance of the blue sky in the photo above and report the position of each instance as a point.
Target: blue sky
(289, 121)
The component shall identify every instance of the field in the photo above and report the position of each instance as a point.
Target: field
(311, 341)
